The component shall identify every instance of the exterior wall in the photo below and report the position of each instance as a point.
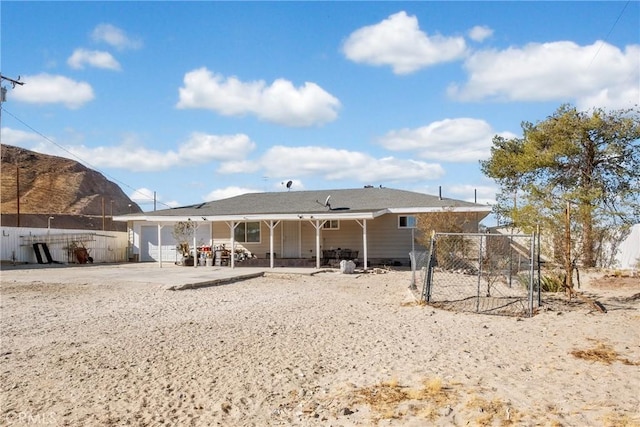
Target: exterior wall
(222, 236)
(387, 243)
(103, 246)
(348, 236)
(145, 241)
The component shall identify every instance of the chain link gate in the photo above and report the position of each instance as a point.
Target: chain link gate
(483, 273)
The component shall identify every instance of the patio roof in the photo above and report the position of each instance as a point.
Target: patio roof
(360, 203)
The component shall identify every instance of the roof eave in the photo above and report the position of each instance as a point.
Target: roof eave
(249, 217)
(454, 209)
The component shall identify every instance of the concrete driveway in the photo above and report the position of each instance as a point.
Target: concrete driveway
(168, 276)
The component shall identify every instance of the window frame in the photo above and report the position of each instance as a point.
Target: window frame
(328, 224)
(246, 232)
(408, 219)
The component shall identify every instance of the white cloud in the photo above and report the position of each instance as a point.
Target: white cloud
(597, 75)
(19, 138)
(225, 193)
(145, 197)
(142, 196)
(333, 164)
(484, 194)
(115, 37)
(398, 42)
(94, 58)
(452, 140)
(280, 103)
(200, 148)
(53, 89)
(480, 33)
(243, 166)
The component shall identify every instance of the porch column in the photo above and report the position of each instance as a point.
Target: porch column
(271, 226)
(232, 261)
(195, 248)
(159, 245)
(318, 226)
(363, 224)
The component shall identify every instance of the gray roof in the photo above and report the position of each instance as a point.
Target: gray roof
(343, 201)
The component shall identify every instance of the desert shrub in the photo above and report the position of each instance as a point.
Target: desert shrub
(548, 282)
(551, 283)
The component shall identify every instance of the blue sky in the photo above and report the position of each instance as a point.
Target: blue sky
(199, 101)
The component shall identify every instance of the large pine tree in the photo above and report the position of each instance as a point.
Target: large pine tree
(582, 166)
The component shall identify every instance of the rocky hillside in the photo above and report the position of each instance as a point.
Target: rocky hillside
(56, 185)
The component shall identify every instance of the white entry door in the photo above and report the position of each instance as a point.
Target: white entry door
(291, 239)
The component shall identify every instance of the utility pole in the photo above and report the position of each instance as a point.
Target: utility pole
(17, 196)
(3, 90)
(3, 98)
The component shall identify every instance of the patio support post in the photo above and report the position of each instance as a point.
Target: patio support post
(317, 225)
(271, 226)
(159, 245)
(195, 248)
(364, 243)
(232, 261)
(363, 224)
(271, 244)
(318, 243)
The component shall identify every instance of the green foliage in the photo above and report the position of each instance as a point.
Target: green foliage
(548, 283)
(587, 161)
(552, 283)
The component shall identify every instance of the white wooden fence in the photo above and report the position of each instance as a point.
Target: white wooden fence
(102, 246)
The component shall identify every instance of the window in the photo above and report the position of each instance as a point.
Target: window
(406, 221)
(332, 224)
(247, 232)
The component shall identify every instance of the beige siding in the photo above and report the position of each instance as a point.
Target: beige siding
(222, 235)
(385, 239)
(349, 236)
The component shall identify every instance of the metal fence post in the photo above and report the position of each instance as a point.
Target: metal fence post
(538, 260)
(426, 287)
(479, 273)
(531, 272)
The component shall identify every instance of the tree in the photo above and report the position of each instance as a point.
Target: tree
(445, 221)
(183, 231)
(573, 173)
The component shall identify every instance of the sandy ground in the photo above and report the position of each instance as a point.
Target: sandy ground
(324, 350)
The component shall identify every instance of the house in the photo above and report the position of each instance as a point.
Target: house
(371, 225)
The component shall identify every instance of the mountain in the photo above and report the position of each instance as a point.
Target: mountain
(50, 185)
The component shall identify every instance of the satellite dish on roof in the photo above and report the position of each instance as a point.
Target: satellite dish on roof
(326, 202)
(289, 184)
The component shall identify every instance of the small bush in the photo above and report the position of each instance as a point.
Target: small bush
(551, 283)
(548, 283)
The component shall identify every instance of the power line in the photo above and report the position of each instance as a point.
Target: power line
(609, 33)
(150, 197)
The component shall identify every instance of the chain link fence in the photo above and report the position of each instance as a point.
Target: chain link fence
(483, 273)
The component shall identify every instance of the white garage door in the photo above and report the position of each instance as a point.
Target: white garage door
(149, 244)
